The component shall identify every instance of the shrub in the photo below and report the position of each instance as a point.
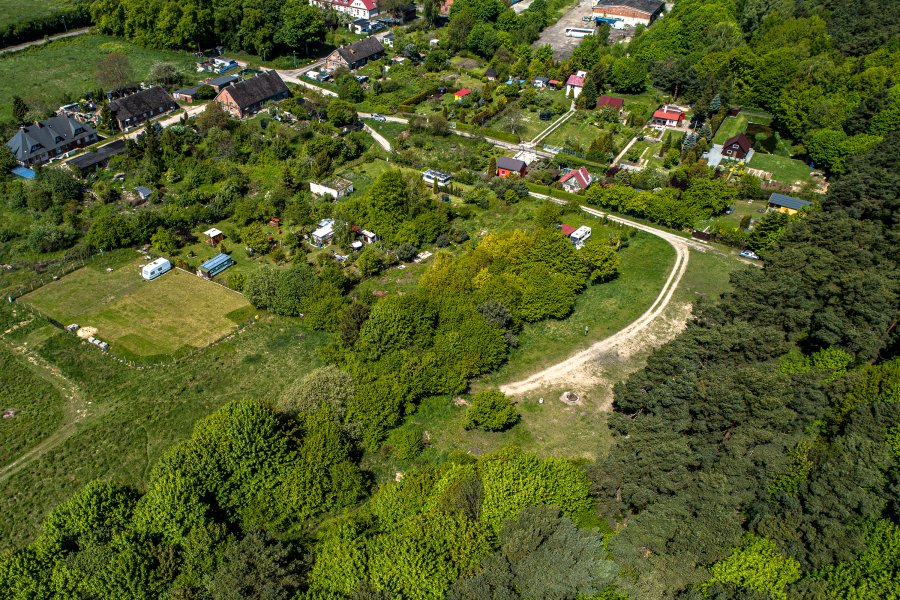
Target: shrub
(406, 444)
(491, 410)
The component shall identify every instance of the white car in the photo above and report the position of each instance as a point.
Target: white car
(749, 254)
(379, 118)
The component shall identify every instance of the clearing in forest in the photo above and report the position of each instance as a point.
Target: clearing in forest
(168, 316)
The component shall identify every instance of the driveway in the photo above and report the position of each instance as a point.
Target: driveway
(555, 35)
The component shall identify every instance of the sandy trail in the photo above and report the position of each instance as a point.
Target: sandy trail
(574, 366)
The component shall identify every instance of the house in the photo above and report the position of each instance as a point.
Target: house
(737, 147)
(786, 204)
(143, 192)
(47, 139)
(668, 116)
(511, 166)
(356, 55)
(368, 237)
(221, 82)
(434, 43)
(430, 176)
(213, 236)
(541, 82)
(337, 187)
(388, 39)
(323, 234)
(460, 94)
(576, 180)
(630, 12)
(247, 97)
(215, 265)
(154, 269)
(360, 9)
(96, 158)
(359, 26)
(575, 84)
(188, 94)
(553, 84)
(491, 74)
(133, 110)
(611, 101)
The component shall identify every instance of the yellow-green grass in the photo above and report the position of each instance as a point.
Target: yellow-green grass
(62, 71)
(38, 404)
(168, 316)
(12, 11)
(783, 169)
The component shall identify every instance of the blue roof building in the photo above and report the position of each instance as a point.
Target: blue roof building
(215, 265)
(787, 204)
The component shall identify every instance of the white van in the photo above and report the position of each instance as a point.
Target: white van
(156, 268)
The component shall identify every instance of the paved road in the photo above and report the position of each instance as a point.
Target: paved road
(382, 141)
(58, 36)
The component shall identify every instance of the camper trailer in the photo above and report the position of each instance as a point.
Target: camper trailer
(156, 268)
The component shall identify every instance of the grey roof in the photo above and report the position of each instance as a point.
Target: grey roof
(145, 101)
(788, 201)
(92, 159)
(361, 50)
(542, 79)
(222, 80)
(257, 89)
(510, 164)
(52, 133)
(647, 6)
(492, 72)
(143, 191)
(188, 91)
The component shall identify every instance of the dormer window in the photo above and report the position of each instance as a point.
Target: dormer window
(79, 131)
(57, 139)
(36, 147)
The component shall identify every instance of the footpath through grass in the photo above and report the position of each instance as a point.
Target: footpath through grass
(136, 414)
(63, 70)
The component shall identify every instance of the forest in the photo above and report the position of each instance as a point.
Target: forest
(757, 455)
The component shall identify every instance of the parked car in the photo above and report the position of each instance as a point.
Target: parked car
(379, 118)
(749, 254)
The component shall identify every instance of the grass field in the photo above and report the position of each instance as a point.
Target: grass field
(63, 70)
(168, 316)
(783, 169)
(134, 415)
(18, 12)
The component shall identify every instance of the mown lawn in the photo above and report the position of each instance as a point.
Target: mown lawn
(730, 127)
(170, 315)
(783, 169)
(62, 71)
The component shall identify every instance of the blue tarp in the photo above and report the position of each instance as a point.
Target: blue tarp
(23, 172)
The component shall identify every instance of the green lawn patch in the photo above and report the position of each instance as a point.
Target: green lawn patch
(730, 127)
(783, 169)
(167, 316)
(12, 11)
(63, 70)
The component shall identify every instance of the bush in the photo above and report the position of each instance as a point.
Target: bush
(406, 444)
(491, 410)
(405, 252)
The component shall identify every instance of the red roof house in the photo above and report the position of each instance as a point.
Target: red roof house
(616, 103)
(668, 116)
(462, 93)
(576, 180)
(575, 83)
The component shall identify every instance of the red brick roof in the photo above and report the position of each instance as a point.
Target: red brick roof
(668, 115)
(369, 4)
(617, 103)
(575, 80)
(567, 230)
(581, 174)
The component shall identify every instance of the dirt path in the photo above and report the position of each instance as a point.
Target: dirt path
(76, 408)
(58, 36)
(573, 367)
